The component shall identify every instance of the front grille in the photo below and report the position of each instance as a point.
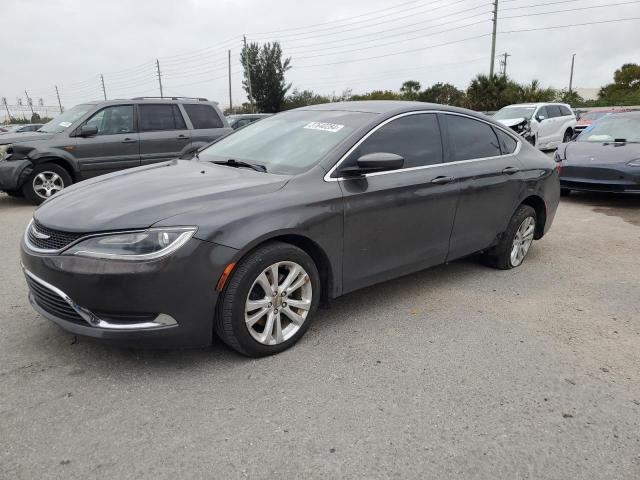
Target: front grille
(51, 302)
(57, 240)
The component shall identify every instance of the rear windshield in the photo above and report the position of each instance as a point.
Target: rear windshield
(65, 120)
(621, 127)
(290, 142)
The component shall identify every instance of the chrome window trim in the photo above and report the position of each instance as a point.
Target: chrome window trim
(329, 178)
(161, 320)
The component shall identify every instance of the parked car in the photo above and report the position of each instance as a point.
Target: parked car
(102, 137)
(29, 127)
(238, 121)
(249, 239)
(586, 119)
(603, 158)
(544, 125)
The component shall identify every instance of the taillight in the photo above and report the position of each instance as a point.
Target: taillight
(558, 167)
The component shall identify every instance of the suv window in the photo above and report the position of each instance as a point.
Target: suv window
(113, 120)
(508, 144)
(416, 138)
(155, 117)
(471, 138)
(565, 111)
(203, 116)
(554, 111)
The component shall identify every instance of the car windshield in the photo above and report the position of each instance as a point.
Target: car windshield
(287, 143)
(507, 113)
(593, 115)
(65, 120)
(613, 127)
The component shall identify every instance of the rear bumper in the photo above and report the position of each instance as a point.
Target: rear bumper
(168, 303)
(13, 173)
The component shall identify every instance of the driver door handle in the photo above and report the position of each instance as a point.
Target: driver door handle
(129, 140)
(183, 137)
(442, 180)
(510, 170)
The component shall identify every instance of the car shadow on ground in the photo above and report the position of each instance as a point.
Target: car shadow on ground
(625, 206)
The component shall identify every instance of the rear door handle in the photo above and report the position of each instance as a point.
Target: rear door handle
(442, 180)
(183, 137)
(129, 140)
(510, 170)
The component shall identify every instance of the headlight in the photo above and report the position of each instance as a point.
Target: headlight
(3, 151)
(634, 163)
(135, 246)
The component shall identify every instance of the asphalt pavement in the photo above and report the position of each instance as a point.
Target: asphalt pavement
(460, 371)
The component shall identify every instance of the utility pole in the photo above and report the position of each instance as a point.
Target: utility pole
(159, 78)
(104, 91)
(59, 102)
(4, 100)
(503, 63)
(573, 59)
(247, 65)
(230, 100)
(493, 37)
(29, 102)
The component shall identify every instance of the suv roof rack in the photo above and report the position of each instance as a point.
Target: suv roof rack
(201, 99)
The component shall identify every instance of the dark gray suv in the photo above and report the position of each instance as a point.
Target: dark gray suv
(101, 137)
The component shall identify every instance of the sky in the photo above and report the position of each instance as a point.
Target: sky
(333, 44)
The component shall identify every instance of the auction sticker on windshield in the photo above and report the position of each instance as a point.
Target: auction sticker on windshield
(325, 127)
(65, 124)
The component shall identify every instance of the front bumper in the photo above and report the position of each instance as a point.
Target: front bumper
(167, 303)
(13, 173)
(600, 178)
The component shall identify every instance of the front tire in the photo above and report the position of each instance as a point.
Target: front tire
(269, 300)
(567, 136)
(516, 240)
(45, 181)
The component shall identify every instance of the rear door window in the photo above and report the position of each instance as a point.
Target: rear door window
(470, 138)
(203, 116)
(565, 111)
(416, 138)
(157, 117)
(508, 144)
(554, 111)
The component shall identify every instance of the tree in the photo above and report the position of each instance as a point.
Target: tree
(410, 89)
(377, 95)
(628, 76)
(265, 68)
(443, 93)
(488, 93)
(303, 98)
(626, 87)
(570, 97)
(533, 92)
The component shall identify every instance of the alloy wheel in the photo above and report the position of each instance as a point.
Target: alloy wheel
(278, 303)
(47, 183)
(522, 241)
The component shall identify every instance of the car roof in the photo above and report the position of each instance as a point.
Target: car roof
(152, 100)
(535, 104)
(386, 107)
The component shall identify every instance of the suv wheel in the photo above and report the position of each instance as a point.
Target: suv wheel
(269, 300)
(567, 136)
(45, 181)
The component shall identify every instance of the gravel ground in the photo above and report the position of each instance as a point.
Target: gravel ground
(460, 371)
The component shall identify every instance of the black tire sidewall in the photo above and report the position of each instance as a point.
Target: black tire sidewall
(237, 290)
(27, 187)
(501, 256)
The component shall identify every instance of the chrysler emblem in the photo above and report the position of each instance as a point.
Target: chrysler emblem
(40, 235)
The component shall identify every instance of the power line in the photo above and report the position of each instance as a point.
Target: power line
(570, 25)
(571, 10)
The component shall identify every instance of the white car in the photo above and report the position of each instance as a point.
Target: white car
(544, 125)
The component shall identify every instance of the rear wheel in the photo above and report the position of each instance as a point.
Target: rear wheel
(269, 300)
(45, 181)
(565, 192)
(14, 193)
(516, 240)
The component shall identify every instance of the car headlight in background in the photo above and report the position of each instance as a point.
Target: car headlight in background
(634, 163)
(142, 245)
(3, 151)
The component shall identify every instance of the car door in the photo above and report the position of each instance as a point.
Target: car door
(114, 147)
(545, 127)
(489, 181)
(398, 221)
(557, 121)
(163, 132)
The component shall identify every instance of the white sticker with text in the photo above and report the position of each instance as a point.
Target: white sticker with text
(325, 127)
(65, 124)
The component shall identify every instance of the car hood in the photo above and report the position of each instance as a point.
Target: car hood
(140, 197)
(590, 153)
(510, 122)
(10, 137)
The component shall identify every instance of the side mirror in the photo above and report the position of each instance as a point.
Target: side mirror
(375, 162)
(540, 117)
(88, 131)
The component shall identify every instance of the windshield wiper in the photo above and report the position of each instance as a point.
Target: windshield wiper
(231, 162)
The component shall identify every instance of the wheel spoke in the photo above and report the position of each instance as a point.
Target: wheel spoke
(41, 177)
(267, 334)
(278, 324)
(251, 320)
(293, 316)
(302, 304)
(300, 281)
(263, 281)
(274, 276)
(256, 304)
(294, 272)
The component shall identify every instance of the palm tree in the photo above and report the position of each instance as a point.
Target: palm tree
(410, 89)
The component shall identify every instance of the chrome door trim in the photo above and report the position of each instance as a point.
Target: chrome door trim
(328, 178)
